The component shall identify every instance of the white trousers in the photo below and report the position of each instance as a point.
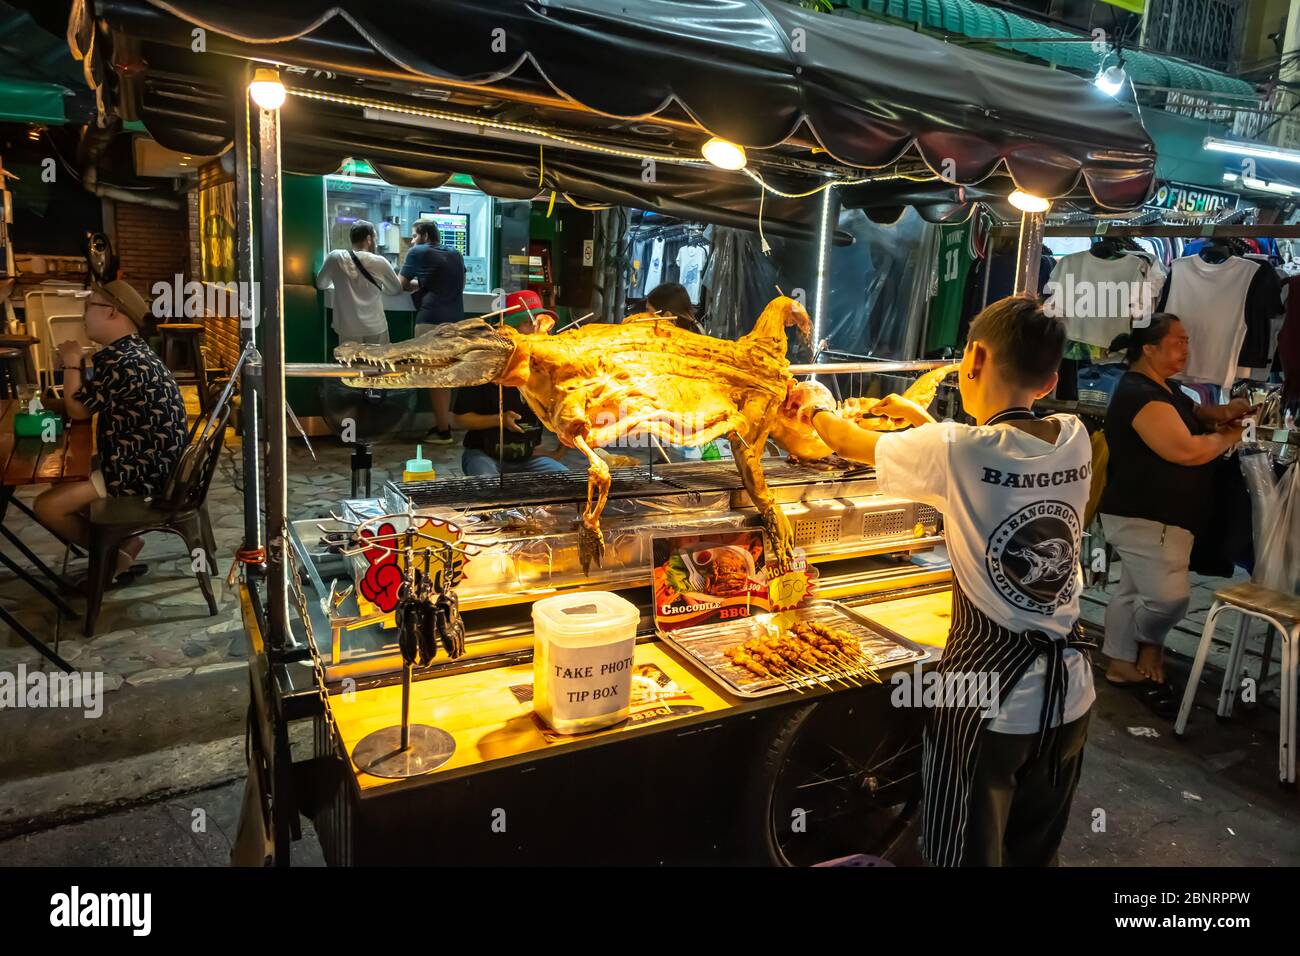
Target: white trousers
(1154, 585)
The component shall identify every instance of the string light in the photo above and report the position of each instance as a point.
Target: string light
(448, 117)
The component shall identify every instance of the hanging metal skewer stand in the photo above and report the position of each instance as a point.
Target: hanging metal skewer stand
(406, 750)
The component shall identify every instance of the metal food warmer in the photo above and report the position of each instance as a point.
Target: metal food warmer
(523, 530)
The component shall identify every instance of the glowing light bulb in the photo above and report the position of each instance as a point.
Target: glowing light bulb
(266, 89)
(1111, 80)
(1026, 202)
(724, 154)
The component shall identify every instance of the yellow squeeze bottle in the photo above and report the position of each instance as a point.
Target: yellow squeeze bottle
(419, 468)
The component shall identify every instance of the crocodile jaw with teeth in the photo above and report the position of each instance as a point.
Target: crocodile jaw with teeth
(451, 355)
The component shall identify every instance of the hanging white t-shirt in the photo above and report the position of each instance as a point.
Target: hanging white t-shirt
(1013, 509)
(654, 268)
(1098, 299)
(1210, 299)
(690, 270)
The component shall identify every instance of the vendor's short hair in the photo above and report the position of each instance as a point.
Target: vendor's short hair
(426, 227)
(1026, 342)
(361, 231)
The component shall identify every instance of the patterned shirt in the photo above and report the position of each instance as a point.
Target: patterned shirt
(141, 429)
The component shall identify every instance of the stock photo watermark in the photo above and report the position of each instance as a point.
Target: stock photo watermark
(78, 690)
(975, 690)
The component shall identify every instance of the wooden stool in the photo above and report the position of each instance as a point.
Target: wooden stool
(185, 339)
(1281, 611)
(9, 373)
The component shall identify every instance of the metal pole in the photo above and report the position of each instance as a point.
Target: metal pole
(268, 155)
(1029, 251)
(249, 306)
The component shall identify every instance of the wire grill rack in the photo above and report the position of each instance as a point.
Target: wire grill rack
(494, 491)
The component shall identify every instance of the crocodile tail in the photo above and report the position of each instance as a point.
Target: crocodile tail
(781, 313)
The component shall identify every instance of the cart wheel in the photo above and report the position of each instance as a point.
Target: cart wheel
(840, 777)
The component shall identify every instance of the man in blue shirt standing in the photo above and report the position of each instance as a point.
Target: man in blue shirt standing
(439, 296)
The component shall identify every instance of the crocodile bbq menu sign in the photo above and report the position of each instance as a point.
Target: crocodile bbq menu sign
(701, 578)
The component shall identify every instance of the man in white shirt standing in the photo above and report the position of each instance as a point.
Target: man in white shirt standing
(360, 279)
(1013, 488)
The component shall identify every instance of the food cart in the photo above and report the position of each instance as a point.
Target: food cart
(594, 103)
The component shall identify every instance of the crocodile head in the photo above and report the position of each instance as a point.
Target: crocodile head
(451, 355)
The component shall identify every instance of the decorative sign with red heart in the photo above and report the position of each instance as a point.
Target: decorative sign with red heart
(386, 565)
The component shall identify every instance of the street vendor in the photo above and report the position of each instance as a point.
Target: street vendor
(1013, 489)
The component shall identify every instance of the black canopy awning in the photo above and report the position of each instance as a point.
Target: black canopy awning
(809, 94)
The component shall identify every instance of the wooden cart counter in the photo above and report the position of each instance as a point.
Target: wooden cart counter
(489, 713)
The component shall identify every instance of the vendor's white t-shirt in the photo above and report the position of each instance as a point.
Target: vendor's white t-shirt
(1013, 509)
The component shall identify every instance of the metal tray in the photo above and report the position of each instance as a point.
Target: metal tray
(704, 644)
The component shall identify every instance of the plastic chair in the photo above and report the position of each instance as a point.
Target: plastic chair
(1281, 611)
(181, 510)
(66, 327)
(51, 298)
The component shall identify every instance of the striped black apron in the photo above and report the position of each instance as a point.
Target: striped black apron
(979, 645)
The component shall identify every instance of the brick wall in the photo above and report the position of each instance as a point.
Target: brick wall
(156, 245)
(152, 245)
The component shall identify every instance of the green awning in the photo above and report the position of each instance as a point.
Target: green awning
(971, 19)
(31, 101)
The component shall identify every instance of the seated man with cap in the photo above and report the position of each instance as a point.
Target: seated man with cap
(141, 430)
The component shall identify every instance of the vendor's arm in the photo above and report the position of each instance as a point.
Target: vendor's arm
(845, 438)
(851, 441)
(1166, 434)
(1215, 415)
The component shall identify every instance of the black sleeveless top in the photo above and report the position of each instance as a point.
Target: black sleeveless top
(1141, 484)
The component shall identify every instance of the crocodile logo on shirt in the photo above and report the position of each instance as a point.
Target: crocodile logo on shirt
(1032, 556)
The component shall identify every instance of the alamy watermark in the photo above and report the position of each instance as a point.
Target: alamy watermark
(1089, 299)
(82, 690)
(964, 689)
(177, 299)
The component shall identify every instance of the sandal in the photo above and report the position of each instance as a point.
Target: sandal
(1162, 699)
(121, 580)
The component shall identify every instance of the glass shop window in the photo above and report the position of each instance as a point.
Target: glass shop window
(464, 217)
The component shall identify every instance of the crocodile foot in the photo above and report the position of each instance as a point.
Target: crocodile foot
(591, 546)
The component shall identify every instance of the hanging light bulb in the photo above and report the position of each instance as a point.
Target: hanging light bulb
(266, 89)
(1027, 202)
(724, 154)
(1111, 80)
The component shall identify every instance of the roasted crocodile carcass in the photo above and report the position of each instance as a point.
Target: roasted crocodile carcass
(595, 384)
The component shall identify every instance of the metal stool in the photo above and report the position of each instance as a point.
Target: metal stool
(1281, 611)
(9, 373)
(185, 340)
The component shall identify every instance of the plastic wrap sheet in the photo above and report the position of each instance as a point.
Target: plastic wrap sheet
(1261, 485)
(1277, 554)
(876, 295)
